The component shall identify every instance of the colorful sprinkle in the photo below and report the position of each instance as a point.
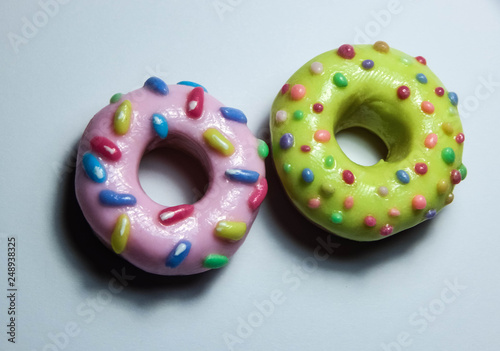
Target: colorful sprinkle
(420, 168)
(328, 189)
(115, 98)
(421, 78)
(178, 253)
(463, 171)
(370, 221)
(430, 214)
(367, 64)
(262, 149)
(394, 212)
(403, 176)
(194, 102)
(448, 155)
(439, 91)
(281, 116)
(447, 128)
(172, 215)
(403, 92)
(298, 115)
(192, 84)
(242, 175)
(287, 167)
(314, 203)
(346, 51)
(460, 138)
(406, 60)
(455, 177)
(298, 91)
(233, 114)
(156, 85)
(258, 194)
(120, 234)
(340, 80)
(348, 177)
(160, 125)
(337, 217)
(316, 68)
(105, 148)
(286, 141)
(386, 230)
(431, 140)
(421, 60)
(285, 88)
(449, 199)
(427, 107)
(329, 161)
(383, 191)
(93, 168)
(121, 121)
(307, 175)
(442, 186)
(348, 202)
(322, 136)
(305, 148)
(453, 98)
(381, 46)
(318, 107)
(217, 141)
(231, 230)
(419, 202)
(110, 198)
(214, 261)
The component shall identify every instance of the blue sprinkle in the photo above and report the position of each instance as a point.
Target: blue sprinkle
(93, 168)
(403, 176)
(111, 198)
(368, 64)
(242, 175)
(160, 125)
(286, 141)
(233, 114)
(192, 84)
(430, 214)
(307, 175)
(453, 98)
(156, 85)
(178, 254)
(422, 78)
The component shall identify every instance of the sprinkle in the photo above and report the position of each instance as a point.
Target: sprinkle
(403, 92)
(322, 136)
(111, 198)
(340, 80)
(281, 116)
(420, 168)
(328, 189)
(174, 214)
(217, 141)
(367, 64)
(337, 217)
(463, 171)
(460, 138)
(381, 46)
(314, 203)
(233, 114)
(120, 234)
(449, 199)
(421, 78)
(316, 68)
(386, 230)
(192, 84)
(160, 125)
(455, 177)
(346, 51)
(115, 98)
(431, 140)
(442, 186)
(453, 98)
(286, 141)
(194, 102)
(93, 168)
(156, 85)
(121, 121)
(448, 155)
(242, 175)
(298, 92)
(262, 149)
(439, 91)
(406, 60)
(419, 202)
(285, 88)
(258, 194)
(329, 161)
(318, 107)
(231, 230)
(105, 148)
(307, 175)
(370, 221)
(178, 253)
(287, 167)
(305, 148)
(298, 115)
(214, 261)
(421, 60)
(383, 191)
(427, 107)
(447, 128)
(394, 212)
(348, 202)
(348, 177)
(403, 176)
(430, 214)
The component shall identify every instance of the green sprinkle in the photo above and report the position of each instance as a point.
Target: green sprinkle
(298, 115)
(115, 98)
(337, 217)
(463, 171)
(448, 155)
(339, 80)
(329, 161)
(214, 261)
(287, 167)
(263, 149)
(407, 60)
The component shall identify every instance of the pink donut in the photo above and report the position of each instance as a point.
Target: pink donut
(182, 239)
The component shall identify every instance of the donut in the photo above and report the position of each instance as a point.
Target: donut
(178, 239)
(396, 97)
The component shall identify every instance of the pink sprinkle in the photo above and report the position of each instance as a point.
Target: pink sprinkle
(346, 51)
(348, 177)
(305, 148)
(285, 88)
(386, 230)
(318, 107)
(419, 202)
(420, 168)
(106, 148)
(194, 103)
(431, 140)
(258, 195)
(460, 138)
(439, 91)
(370, 221)
(421, 60)
(322, 136)
(172, 215)
(298, 91)
(314, 203)
(427, 107)
(348, 202)
(394, 212)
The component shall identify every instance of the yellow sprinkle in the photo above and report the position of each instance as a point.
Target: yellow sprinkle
(218, 141)
(121, 121)
(231, 230)
(442, 186)
(447, 128)
(120, 234)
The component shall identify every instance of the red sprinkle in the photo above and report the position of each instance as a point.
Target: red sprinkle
(460, 138)
(258, 195)
(194, 103)
(346, 51)
(386, 230)
(370, 221)
(403, 92)
(348, 177)
(285, 88)
(106, 148)
(421, 60)
(318, 107)
(439, 91)
(455, 177)
(420, 168)
(305, 148)
(175, 214)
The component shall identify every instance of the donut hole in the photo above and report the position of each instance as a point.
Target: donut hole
(170, 176)
(362, 146)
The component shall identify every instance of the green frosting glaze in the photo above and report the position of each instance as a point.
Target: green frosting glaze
(356, 97)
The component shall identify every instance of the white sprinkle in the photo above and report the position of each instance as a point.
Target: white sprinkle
(281, 116)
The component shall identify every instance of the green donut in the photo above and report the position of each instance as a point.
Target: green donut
(391, 94)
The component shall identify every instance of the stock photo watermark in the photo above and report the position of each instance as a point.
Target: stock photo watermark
(9, 248)
(484, 89)
(222, 7)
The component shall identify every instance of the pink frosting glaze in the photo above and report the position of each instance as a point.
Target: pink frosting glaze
(152, 241)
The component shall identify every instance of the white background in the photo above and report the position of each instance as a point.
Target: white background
(363, 297)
